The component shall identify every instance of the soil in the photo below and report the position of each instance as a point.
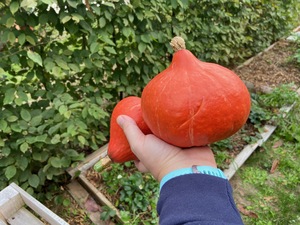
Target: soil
(267, 70)
(271, 68)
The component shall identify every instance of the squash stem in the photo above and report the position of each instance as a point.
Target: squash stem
(177, 43)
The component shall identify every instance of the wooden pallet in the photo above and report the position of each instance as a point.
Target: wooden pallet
(17, 207)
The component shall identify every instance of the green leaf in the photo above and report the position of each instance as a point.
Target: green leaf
(43, 19)
(107, 40)
(23, 125)
(35, 57)
(30, 190)
(72, 3)
(71, 153)
(77, 17)
(12, 118)
(11, 37)
(3, 125)
(22, 95)
(126, 31)
(30, 39)
(110, 50)
(10, 22)
(110, 4)
(41, 138)
(24, 147)
(102, 22)
(62, 109)
(18, 101)
(55, 139)
(142, 47)
(34, 181)
(22, 162)
(16, 127)
(55, 162)
(81, 139)
(74, 67)
(54, 129)
(67, 114)
(21, 39)
(24, 175)
(130, 17)
(28, 5)
(37, 156)
(14, 6)
(95, 47)
(65, 162)
(6, 151)
(36, 121)
(9, 96)
(1, 142)
(25, 115)
(49, 2)
(145, 38)
(61, 63)
(66, 19)
(10, 172)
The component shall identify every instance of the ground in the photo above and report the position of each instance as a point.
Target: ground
(268, 69)
(271, 68)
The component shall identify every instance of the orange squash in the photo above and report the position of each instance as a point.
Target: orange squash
(118, 147)
(194, 103)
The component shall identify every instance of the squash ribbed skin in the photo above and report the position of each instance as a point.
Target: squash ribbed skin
(194, 103)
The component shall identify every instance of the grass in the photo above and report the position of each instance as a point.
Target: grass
(272, 195)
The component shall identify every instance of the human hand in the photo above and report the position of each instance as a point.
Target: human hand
(158, 157)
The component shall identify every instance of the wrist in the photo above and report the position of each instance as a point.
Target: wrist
(207, 170)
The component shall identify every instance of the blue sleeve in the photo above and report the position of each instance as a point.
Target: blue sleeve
(197, 199)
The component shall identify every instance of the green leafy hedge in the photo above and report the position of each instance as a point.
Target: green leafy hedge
(64, 64)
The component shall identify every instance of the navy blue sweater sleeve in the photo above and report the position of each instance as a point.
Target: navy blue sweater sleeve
(197, 199)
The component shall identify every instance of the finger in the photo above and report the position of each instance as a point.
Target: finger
(132, 132)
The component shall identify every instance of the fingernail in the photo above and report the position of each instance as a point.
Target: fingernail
(120, 120)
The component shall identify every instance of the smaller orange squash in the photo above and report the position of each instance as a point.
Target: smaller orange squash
(118, 147)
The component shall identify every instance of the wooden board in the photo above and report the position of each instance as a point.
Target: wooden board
(39, 208)
(80, 195)
(22, 217)
(98, 196)
(10, 202)
(241, 158)
(89, 161)
(13, 201)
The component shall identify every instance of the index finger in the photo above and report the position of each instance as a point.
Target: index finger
(132, 132)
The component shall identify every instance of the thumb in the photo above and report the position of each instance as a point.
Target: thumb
(132, 132)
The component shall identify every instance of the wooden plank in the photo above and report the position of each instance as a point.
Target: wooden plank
(2, 220)
(91, 159)
(241, 158)
(22, 217)
(98, 196)
(39, 208)
(81, 195)
(10, 202)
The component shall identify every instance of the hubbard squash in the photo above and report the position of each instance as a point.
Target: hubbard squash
(118, 147)
(194, 103)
